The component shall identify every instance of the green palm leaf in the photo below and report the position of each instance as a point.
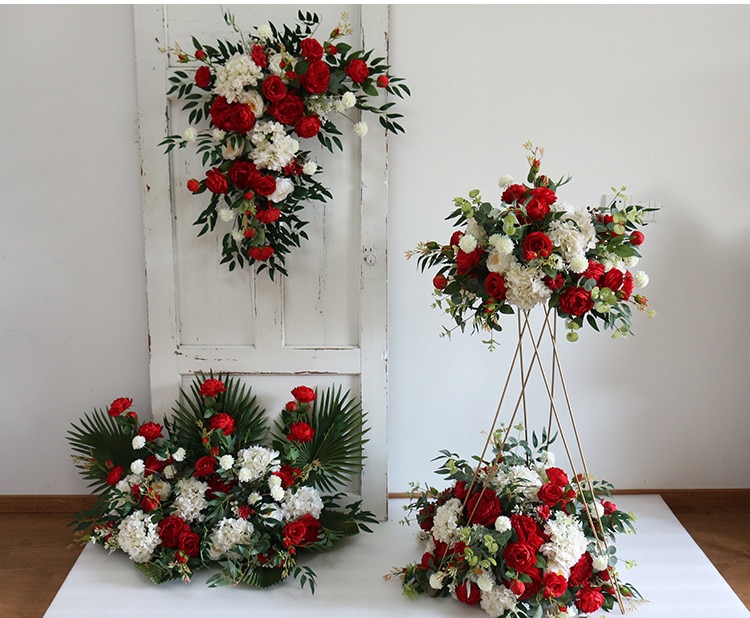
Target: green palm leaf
(99, 437)
(336, 448)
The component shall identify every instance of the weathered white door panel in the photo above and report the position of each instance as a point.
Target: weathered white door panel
(325, 323)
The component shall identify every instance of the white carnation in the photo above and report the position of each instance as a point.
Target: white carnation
(137, 467)
(502, 524)
(190, 134)
(277, 493)
(468, 243)
(138, 536)
(138, 442)
(227, 534)
(436, 580)
(349, 99)
(179, 454)
(502, 244)
(305, 500)
(360, 128)
(640, 279)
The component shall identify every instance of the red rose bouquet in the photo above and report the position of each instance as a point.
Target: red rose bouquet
(533, 250)
(256, 99)
(518, 537)
(213, 486)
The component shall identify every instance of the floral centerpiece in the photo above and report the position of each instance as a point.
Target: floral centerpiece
(532, 250)
(520, 538)
(214, 486)
(254, 102)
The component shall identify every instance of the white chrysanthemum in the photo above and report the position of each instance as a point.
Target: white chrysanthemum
(138, 442)
(274, 149)
(578, 264)
(284, 188)
(234, 76)
(497, 600)
(265, 32)
(505, 181)
(226, 462)
(190, 134)
(436, 580)
(445, 521)
(348, 99)
(138, 467)
(179, 454)
(190, 500)
(305, 500)
(485, 581)
(525, 480)
(468, 243)
(227, 534)
(309, 168)
(138, 536)
(640, 279)
(254, 497)
(502, 523)
(567, 542)
(360, 128)
(525, 287)
(255, 462)
(217, 135)
(226, 214)
(501, 243)
(599, 562)
(277, 493)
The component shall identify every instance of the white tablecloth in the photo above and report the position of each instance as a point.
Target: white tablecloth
(671, 572)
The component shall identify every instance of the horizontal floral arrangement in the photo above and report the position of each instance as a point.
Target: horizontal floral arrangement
(533, 250)
(215, 486)
(517, 537)
(254, 102)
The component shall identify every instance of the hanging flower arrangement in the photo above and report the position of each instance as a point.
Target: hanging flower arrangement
(252, 105)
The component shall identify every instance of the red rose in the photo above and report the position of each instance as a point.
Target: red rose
(224, 422)
(483, 507)
(268, 215)
(304, 394)
(205, 466)
(150, 431)
(545, 195)
(609, 507)
(557, 476)
(495, 286)
(555, 585)
(273, 88)
(382, 81)
(258, 55)
(154, 465)
(149, 504)
(311, 49)
(203, 77)
(612, 279)
(589, 600)
(576, 301)
(460, 491)
(200, 54)
(242, 174)
(551, 494)
(513, 193)
(357, 70)
(288, 110)
(170, 528)
(288, 475)
(527, 531)
(193, 185)
(212, 388)
(537, 209)
(261, 253)
(232, 116)
(317, 77)
(291, 406)
(520, 556)
(217, 485)
(264, 184)
(119, 405)
(312, 530)
(439, 281)
(466, 261)
(293, 533)
(308, 126)
(189, 543)
(636, 238)
(536, 245)
(517, 587)
(582, 570)
(594, 271)
(468, 593)
(115, 474)
(216, 182)
(300, 432)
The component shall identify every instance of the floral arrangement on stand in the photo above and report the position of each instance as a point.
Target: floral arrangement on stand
(259, 97)
(534, 250)
(518, 539)
(214, 486)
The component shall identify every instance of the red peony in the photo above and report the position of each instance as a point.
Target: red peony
(357, 70)
(555, 585)
(439, 281)
(193, 185)
(149, 504)
(119, 405)
(260, 253)
(520, 557)
(494, 284)
(273, 88)
(242, 174)
(293, 533)
(216, 182)
(304, 394)
(513, 193)
(205, 466)
(154, 465)
(317, 78)
(264, 184)
(212, 388)
(288, 110)
(612, 279)
(576, 301)
(465, 262)
(594, 271)
(582, 570)
(288, 475)
(536, 245)
(537, 209)
(231, 116)
(311, 49)
(308, 126)
(150, 431)
(627, 287)
(550, 494)
(468, 593)
(189, 543)
(203, 77)
(170, 528)
(224, 422)
(300, 432)
(557, 476)
(527, 531)
(589, 599)
(312, 530)
(483, 508)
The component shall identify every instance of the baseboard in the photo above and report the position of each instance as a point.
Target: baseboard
(45, 503)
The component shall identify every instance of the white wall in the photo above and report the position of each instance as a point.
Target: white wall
(651, 97)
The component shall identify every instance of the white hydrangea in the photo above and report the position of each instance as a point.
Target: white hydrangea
(525, 287)
(468, 243)
(526, 481)
(227, 534)
(445, 521)
(305, 500)
(138, 536)
(497, 600)
(190, 500)
(274, 149)
(360, 128)
(573, 234)
(138, 442)
(255, 462)
(284, 188)
(567, 542)
(640, 279)
(234, 76)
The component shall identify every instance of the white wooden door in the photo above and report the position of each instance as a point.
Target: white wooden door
(326, 322)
